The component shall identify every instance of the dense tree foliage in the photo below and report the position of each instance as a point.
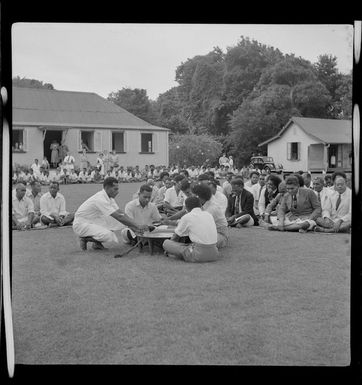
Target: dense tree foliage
(31, 83)
(194, 149)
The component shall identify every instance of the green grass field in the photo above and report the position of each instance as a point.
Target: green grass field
(272, 299)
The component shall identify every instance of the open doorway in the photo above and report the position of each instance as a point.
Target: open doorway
(51, 135)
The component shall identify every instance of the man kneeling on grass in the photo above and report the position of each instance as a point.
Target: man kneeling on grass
(200, 227)
(298, 208)
(99, 216)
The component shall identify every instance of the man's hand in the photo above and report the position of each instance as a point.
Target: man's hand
(231, 219)
(142, 228)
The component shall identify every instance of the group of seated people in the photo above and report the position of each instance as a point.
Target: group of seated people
(32, 209)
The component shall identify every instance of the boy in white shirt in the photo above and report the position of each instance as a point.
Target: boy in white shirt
(200, 227)
(83, 176)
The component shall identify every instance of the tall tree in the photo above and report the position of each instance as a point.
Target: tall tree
(31, 83)
(134, 101)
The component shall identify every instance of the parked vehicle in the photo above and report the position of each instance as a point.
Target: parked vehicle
(265, 163)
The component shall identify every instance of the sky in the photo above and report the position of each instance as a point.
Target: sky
(104, 58)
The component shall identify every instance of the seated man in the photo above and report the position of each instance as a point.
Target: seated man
(200, 227)
(240, 210)
(271, 211)
(99, 216)
(35, 195)
(299, 208)
(22, 209)
(323, 193)
(209, 204)
(336, 215)
(83, 176)
(174, 198)
(52, 208)
(219, 197)
(227, 185)
(142, 211)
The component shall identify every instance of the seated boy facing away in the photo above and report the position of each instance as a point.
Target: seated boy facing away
(200, 227)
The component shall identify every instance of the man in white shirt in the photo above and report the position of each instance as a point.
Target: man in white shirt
(52, 208)
(250, 184)
(35, 195)
(22, 209)
(209, 204)
(69, 162)
(200, 227)
(142, 211)
(219, 198)
(336, 217)
(323, 193)
(174, 198)
(36, 168)
(99, 216)
(83, 176)
(226, 186)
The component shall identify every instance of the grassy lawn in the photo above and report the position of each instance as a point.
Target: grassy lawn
(272, 299)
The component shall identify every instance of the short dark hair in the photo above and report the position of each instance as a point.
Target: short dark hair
(185, 185)
(145, 187)
(339, 173)
(238, 182)
(292, 179)
(253, 173)
(163, 174)
(202, 191)
(34, 182)
(213, 182)
(178, 178)
(300, 179)
(274, 179)
(204, 176)
(109, 182)
(185, 172)
(192, 202)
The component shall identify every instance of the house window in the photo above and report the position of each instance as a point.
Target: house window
(17, 140)
(118, 141)
(146, 143)
(87, 140)
(293, 151)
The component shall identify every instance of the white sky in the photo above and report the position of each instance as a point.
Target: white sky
(104, 58)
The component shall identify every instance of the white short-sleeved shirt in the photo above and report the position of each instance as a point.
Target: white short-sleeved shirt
(344, 210)
(21, 209)
(219, 216)
(199, 226)
(49, 205)
(96, 209)
(173, 199)
(220, 200)
(143, 215)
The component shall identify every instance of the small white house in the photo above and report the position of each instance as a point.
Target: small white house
(312, 144)
(41, 116)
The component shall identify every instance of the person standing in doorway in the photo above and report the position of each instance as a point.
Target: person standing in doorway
(54, 157)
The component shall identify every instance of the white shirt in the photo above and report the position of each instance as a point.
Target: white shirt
(49, 205)
(36, 168)
(143, 215)
(83, 175)
(227, 188)
(261, 201)
(199, 226)
(325, 193)
(173, 199)
(97, 210)
(219, 216)
(69, 161)
(220, 200)
(21, 209)
(344, 210)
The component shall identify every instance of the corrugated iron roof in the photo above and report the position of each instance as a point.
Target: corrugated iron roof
(324, 130)
(36, 106)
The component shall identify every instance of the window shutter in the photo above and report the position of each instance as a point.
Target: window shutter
(125, 143)
(79, 140)
(299, 145)
(98, 141)
(289, 151)
(25, 139)
(155, 142)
